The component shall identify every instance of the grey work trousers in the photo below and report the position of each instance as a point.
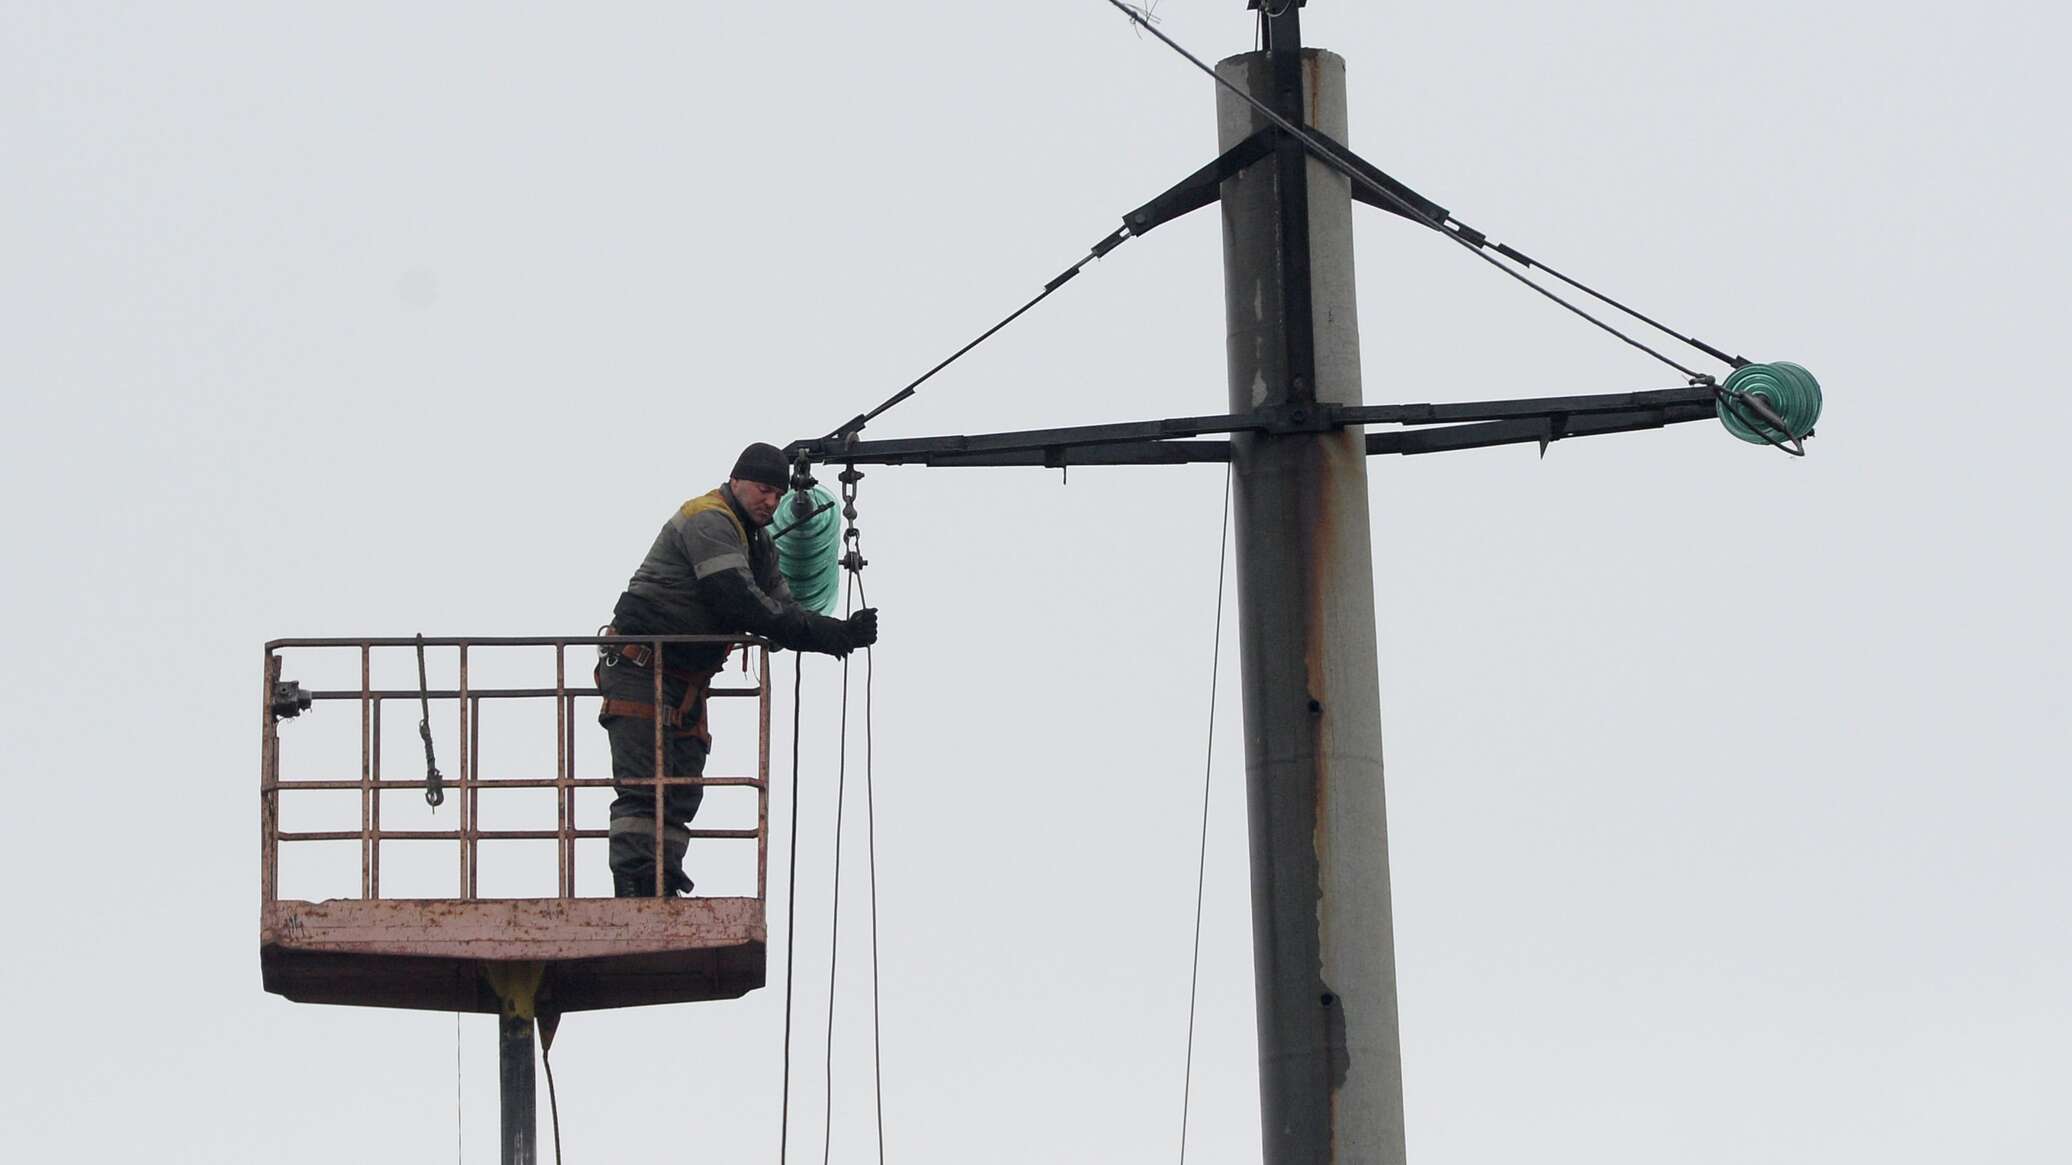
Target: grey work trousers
(633, 762)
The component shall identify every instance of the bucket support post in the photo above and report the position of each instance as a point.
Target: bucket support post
(515, 1081)
(517, 987)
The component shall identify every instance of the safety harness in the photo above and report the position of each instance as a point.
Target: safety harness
(688, 717)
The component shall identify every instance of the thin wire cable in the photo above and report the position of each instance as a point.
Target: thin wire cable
(834, 925)
(459, 1144)
(1149, 9)
(1523, 259)
(791, 904)
(1201, 872)
(1322, 153)
(870, 834)
(1099, 249)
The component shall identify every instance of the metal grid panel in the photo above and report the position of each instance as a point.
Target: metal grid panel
(467, 785)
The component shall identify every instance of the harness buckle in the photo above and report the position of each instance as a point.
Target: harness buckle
(610, 654)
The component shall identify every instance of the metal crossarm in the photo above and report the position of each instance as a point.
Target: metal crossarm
(1165, 442)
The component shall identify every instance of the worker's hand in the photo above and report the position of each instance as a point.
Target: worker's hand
(813, 631)
(863, 627)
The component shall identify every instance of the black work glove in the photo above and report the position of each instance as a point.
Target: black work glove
(863, 628)
(824, 635)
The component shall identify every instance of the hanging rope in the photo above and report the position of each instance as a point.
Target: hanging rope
(870, 835)
(434, 789)
(834, 925)
(853, 562)
(1201, 870)
(547, 1026)
(791, 905)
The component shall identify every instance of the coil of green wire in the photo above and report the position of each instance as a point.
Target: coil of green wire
(807, 548)
(1789, 390)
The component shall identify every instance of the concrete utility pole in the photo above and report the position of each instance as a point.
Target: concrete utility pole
(1330, 1060)
(1323, 941)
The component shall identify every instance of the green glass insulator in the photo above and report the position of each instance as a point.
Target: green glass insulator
(809, 555)
(1789, 390)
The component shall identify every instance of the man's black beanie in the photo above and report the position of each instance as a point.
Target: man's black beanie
(764, 464)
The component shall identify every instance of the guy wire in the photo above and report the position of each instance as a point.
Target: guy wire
(1318, 150)
(1099, 249)
(1201, 871)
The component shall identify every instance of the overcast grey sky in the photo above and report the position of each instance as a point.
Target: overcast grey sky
(1727, 791)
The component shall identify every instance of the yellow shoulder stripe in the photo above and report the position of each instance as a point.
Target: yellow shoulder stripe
(713, 501)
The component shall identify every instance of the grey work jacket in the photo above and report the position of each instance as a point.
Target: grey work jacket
(710, 572)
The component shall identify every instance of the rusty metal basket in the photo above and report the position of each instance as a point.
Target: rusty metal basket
(432, 953)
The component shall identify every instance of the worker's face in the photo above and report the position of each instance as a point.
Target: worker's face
(758, 499)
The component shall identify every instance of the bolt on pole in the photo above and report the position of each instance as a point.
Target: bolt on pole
(1330, 1062)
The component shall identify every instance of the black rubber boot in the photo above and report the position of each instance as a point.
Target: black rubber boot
(642, 884)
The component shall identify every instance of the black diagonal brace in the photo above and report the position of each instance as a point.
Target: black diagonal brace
(1407, 202)
(1201, 187)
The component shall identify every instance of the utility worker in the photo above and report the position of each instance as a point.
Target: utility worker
(712, 571)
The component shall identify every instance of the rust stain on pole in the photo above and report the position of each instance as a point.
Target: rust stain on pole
(1329, 1067)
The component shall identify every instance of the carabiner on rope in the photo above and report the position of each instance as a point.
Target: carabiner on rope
(435, 785)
